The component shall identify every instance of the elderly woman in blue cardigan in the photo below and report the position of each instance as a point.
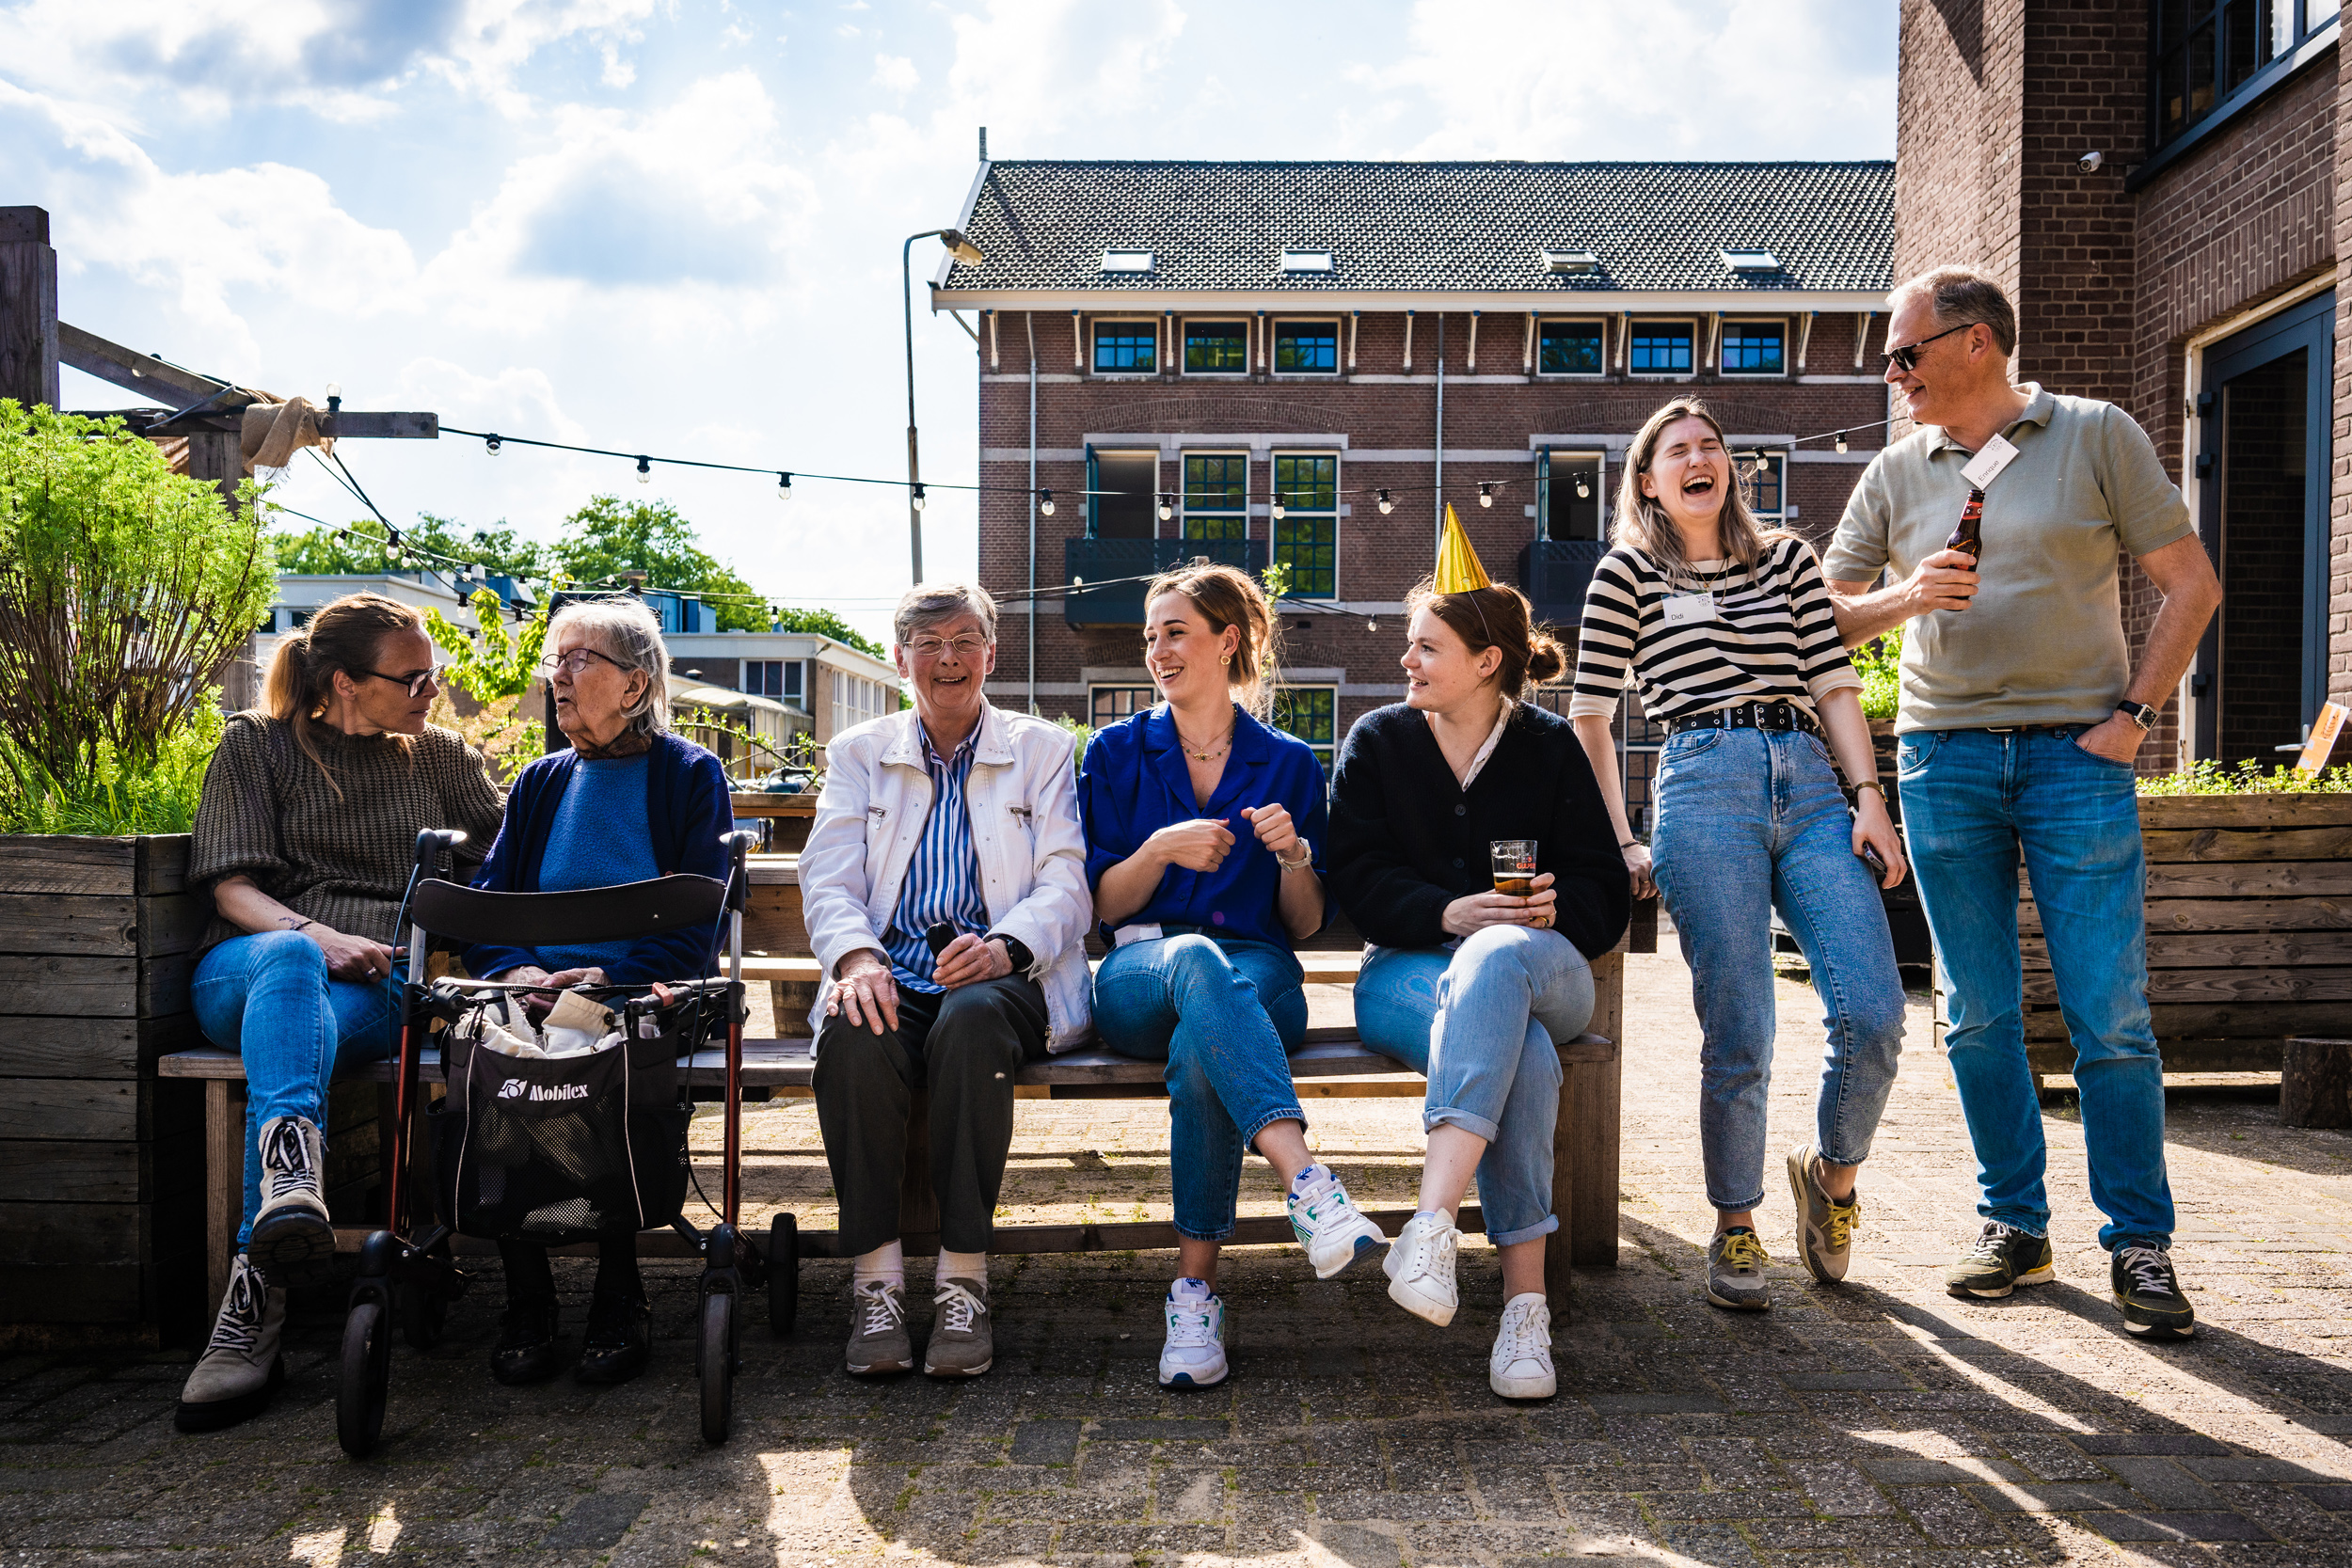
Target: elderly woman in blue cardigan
(629, 801)
(1202, 827)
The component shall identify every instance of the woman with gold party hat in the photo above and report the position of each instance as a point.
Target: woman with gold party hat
(1470, 986)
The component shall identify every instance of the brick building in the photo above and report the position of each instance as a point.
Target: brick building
(2156, 185)
(1296, 364)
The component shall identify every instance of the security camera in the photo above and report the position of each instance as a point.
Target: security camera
(2091, 163)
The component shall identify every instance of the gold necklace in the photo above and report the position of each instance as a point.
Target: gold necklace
(1224, 746)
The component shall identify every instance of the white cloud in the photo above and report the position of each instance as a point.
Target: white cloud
(897, 74)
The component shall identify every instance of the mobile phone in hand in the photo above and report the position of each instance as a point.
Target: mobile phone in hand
(938, 936)
(1877, 863)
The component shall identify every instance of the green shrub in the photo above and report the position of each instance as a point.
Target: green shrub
(1878, 664)
(2249, 778)
(114, 797)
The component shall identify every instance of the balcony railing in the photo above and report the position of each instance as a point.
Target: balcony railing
(1555, 573)
(1086, 563)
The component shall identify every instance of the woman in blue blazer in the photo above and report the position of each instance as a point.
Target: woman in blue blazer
(1204, 830)
(629, 801)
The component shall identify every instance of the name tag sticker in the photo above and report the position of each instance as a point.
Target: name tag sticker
(1991, 459)
(1689, 610)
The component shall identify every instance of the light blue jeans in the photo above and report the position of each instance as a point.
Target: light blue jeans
(268, 998)
(1482, 1023)
(1750, 821)
(1224, 1015)
(1972, 800)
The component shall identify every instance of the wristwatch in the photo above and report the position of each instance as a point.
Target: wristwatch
(1016, 951)
(1306, 857)
(2139, 713)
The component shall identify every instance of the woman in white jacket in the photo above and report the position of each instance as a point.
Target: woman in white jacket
(946, 891)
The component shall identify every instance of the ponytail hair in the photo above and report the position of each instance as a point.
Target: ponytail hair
(343, 635)
(1226, 596)
(1498, 616)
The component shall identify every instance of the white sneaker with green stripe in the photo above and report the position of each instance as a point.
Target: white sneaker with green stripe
(1328, 1225)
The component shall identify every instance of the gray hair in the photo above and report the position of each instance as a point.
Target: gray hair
(628, 634)
(927, 604)
(1963, 297)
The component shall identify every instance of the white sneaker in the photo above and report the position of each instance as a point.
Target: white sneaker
(1194, 1356)
(1330, 1226)
(1520, 1366)
(1420, 1268)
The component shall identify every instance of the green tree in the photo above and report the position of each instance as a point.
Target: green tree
(605, 539)
(331, 550)
(495, 666)
(824, 623)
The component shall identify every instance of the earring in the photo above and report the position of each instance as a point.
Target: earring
(1225, 659)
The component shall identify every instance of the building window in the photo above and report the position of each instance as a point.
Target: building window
(1306, 348)
(1126, 348)
(2205, 53)
(1307, 534)
(1754, 348)
(856, 699)
(1217, 348)
(1766, 476)
(1309, 713)
(779, 678)
(1109, 705)
(1217, 496)
(1570, 348)
(1123, 494)
(1572, 506)
(1661, 349)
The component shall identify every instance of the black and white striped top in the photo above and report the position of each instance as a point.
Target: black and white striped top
(1773, 635)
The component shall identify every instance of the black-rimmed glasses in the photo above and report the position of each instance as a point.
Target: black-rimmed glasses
(576, 661)
(415, 683)
(1906, 359)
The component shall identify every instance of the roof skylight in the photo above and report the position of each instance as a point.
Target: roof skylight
(1568, 261)
(1751, 261)
(1306, 260)
(1126, 261)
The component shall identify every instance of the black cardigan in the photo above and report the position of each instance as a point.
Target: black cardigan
(1407, 840)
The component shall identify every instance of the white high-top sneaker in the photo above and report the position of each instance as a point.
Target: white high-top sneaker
(1420, 1268)
(240, 1371)
(1520, 1366)
(1194, 1354)
(293, 1242)
(1330, 1226)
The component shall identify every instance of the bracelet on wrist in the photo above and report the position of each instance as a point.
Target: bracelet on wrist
(1872, 783)
(1628, 844)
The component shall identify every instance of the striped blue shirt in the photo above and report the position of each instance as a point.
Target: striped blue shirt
(942, 882)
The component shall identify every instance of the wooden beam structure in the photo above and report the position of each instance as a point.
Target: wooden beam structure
(28, 308)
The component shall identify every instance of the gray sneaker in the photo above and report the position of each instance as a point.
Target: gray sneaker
(240, 1371)
(1824, 1226)
(964, 1340)
(293, 1242)
(878, 1329)
(1735, 1271)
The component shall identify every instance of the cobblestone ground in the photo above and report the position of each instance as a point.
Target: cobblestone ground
(1881, 1422)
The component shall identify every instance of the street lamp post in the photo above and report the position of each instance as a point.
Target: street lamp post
(966, 252)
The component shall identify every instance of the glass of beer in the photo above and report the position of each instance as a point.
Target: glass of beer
(1515, 866)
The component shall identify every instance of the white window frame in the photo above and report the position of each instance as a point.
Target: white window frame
(1598, 457)
(1339, 731)
(1599, 322)
(1183, 327)
(1095, 337)
(1184, 491)
(1698, 347)
(1339, 492)
(1339, 347)
(1787, 348)
(1778, 458)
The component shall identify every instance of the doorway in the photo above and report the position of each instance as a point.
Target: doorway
(2263, 455)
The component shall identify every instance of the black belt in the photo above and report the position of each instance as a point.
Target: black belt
(1748, 716)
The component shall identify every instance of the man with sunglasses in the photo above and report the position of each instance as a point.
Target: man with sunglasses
(2022, 717)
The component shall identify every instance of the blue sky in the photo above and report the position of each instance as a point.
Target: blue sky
(675, 227)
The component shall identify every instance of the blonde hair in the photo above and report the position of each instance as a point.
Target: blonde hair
(343, 635)
(1226, 596)
(1642, 523)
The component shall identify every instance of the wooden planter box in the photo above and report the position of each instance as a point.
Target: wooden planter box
(2250, 932)
(101, 1215)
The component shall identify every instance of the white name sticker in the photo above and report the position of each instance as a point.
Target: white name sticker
(1991, 459)
(1688, 609)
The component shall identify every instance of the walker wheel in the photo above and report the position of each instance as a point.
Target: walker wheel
(367, 1375)
(784, 1273)
(714, 1359)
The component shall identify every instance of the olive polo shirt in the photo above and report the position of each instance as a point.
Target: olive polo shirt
(2042, 640)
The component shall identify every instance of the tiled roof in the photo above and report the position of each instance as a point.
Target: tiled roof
(1456, 226)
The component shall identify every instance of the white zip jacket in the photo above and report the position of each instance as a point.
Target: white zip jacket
(1022, 799)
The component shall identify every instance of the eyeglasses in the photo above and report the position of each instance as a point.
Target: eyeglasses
(932, 647)
(1906, 359)
(415, 683)
(576, 661)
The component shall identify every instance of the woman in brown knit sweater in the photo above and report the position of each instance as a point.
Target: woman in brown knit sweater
(305, 835)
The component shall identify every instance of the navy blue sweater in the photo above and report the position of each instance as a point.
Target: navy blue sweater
(689, 813)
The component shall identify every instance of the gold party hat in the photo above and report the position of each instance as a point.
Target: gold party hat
(1459, 571)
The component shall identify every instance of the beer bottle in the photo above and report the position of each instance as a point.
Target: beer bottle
(1968, 537)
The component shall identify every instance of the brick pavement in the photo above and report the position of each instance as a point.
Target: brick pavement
(1883, 1422)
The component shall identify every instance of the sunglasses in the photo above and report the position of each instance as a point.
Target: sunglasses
(1906, 359)
(415, 683)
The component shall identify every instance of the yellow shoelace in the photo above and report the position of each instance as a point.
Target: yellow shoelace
(1842, 1219)
(1742, 1251)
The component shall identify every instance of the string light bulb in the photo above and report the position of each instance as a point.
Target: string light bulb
(918, 499)
(1386, 505)
(1278, 509)
(644, 470)
(334, 397)
(491, 444)
(783, 487)
(1045, 503)
(1486, 493)
(1841, 442)
(1584, 488)
(1167, 508)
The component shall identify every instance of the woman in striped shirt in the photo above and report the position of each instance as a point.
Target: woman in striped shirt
(1729, 632)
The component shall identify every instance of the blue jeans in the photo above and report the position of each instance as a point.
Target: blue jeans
(268, 998)
(1482, 1023)
(1224, 1015)
(1750, 821)
(1972, 800)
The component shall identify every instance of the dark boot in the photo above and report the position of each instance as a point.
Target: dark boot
(529, 1347)
(620, 1338)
